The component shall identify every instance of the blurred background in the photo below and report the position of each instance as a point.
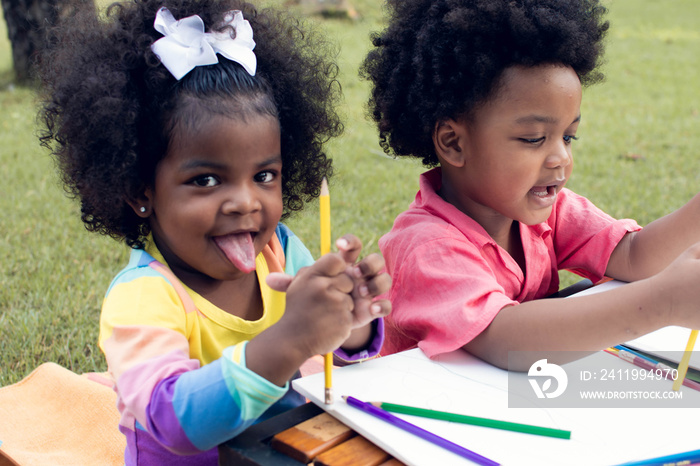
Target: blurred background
(638, 156)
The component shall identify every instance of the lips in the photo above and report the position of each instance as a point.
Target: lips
(239, 249)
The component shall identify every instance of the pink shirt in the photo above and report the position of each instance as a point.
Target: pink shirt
(450, 279)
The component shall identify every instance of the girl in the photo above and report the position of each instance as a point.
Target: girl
(189, 130)
(489, 93)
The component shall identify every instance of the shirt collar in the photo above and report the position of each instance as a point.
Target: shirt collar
(429, 200)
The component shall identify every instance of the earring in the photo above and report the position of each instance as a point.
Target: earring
(142, 210)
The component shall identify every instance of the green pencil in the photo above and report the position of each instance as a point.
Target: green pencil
(472, 420)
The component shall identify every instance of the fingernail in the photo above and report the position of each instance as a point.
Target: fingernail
(375, 308)
(364, 291)
(357, 272)
(342, 243)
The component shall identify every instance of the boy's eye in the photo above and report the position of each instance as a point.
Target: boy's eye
(264, 177)
(205, 181)
(532, 140)
(569, 138)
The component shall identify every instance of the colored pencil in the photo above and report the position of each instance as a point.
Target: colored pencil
(685, 360)
(325, 211)
(472, 420)
(666, 371)
(419, 432)
(678, 459)
(663, 363)
(636, 353)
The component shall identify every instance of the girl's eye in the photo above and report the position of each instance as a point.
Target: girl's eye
(205, 181)
(264, 177)
(568, 139)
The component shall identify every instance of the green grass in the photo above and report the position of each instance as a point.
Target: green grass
(637, 157)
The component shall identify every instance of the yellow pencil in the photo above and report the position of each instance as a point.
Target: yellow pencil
(685, 360)
(325, 207)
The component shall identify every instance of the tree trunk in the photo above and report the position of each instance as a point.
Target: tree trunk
(26, 24)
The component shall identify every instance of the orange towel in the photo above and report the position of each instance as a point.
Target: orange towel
(57, 417)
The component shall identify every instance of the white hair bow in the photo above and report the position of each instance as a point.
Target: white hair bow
(186, 45)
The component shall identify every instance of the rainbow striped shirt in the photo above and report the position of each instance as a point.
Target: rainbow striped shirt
(178, 361)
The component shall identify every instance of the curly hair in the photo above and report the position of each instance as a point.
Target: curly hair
(110, 108)
(439, 59)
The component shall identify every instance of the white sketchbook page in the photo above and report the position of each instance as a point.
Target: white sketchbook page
(668, 342)
(458, 382)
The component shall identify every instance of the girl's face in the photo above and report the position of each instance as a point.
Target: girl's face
(217, 197)
(517, 147)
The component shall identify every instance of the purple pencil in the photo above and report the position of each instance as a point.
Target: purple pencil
(415, 430)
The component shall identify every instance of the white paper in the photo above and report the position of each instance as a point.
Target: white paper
(460, 383)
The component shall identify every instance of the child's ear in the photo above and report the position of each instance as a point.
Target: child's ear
(448, 139)
(142, 204)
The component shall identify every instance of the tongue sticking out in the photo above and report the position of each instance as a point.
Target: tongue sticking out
(239, 249)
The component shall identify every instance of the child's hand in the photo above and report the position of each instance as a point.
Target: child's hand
(363, 282)
(319, 312)
(317, 319)
(328, 304)
(679, 284)
(370, 281)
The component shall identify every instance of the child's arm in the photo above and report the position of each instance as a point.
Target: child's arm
(644, 253)
(597, 321)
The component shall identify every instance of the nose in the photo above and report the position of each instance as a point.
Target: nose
(560, 156)
(241, 200)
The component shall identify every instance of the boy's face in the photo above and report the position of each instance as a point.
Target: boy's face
(217, 197)
(517, 147)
